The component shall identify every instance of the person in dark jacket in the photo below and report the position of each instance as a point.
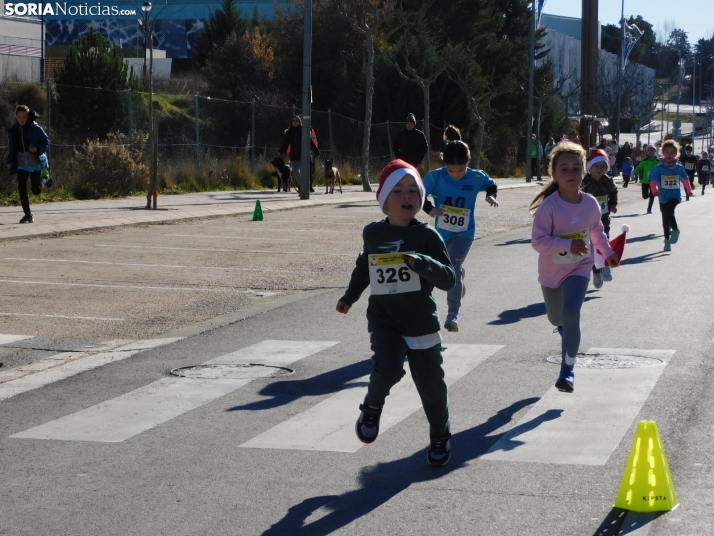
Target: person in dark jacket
(410, 144)
(292, 144)
(27, 155)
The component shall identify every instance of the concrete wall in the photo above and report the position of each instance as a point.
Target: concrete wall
(20, 49)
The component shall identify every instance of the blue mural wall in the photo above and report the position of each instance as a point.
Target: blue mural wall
(175, 25)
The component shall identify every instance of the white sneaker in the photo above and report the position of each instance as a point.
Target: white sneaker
(606, 273)
(597, 279)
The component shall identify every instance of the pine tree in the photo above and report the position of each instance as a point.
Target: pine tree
(220, 25)
(91, 84)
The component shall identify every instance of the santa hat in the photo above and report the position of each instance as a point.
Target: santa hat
(597, 156)
(392, 174)
(617, 244)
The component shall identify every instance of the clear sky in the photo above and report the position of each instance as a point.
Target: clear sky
(696, 17)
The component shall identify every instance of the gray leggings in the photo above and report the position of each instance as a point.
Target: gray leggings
(562, 305)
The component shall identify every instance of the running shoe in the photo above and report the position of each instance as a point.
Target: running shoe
(452, 322)
(367, 426)
(667, 245)
(27, 218)
(566, 378)
(439, 450)
(675, 236)
(597, 279)
(606, 273)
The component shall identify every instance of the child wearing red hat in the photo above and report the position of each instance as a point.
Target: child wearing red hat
(601, 186)
(402, 261)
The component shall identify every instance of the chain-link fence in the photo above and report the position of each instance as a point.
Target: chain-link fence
(195, 133)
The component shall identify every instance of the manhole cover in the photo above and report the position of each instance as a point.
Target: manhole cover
(611, 361)
(240, 371)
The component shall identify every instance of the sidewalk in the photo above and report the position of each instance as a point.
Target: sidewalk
(77, 216)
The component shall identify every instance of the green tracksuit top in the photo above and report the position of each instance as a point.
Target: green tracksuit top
(411, 314)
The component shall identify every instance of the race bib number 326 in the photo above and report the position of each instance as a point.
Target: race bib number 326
(388, 274)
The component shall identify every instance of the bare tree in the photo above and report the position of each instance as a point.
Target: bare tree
(378, 21)
(425, 59)
(478, 90)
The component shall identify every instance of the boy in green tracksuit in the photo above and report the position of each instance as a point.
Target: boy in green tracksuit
(643, 170)
(402, 261)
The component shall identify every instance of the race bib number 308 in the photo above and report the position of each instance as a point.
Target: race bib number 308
(454, 219)
(388, 274)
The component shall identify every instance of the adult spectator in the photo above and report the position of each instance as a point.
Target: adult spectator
(536, 153)
(548, 148)
(292, 144)
(410, 144)
(624, 152)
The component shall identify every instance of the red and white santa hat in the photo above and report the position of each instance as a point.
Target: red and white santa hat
(597, 156)
(392, 174)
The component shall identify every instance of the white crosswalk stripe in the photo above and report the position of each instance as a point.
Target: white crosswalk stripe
(61, 366)
(7, 339)
(583, 428)
(130, 414)
(329, 426)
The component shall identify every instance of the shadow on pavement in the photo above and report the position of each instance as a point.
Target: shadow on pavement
(287, 391)
(511, 316)
(516, 242)
(381, 482)
(649, 257)
(643, 238)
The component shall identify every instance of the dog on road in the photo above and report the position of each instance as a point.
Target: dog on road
(332, 175)
(282, 173)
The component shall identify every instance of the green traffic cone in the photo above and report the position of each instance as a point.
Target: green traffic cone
(258, 212)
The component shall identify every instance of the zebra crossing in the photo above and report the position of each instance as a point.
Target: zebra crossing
(584, 429)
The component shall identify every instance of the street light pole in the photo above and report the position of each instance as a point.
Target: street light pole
(531, 82)
(677, 122)
(305, 167)
(620, 71)
(151, 196)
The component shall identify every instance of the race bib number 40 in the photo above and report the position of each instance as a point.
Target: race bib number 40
(454, 219)
(569, 258)
(389, 275)
(670, 182)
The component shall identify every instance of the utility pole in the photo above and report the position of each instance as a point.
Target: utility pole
(531, 82)
(677, 122)
(306, 103)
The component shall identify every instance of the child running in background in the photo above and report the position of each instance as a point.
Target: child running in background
(627, 168)
(566, 228)
(665, 181)
(402, 261)
(704, 170)
(455, 188)
(643, 170)
(602, 187)
(689, 161)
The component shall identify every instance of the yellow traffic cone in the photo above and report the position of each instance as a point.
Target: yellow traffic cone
(258, 212)
(647, 483)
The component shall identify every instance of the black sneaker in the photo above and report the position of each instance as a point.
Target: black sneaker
(27, 218)
(440, 450)
(367, 426)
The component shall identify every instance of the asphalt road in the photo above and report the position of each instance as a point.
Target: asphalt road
(109, 442)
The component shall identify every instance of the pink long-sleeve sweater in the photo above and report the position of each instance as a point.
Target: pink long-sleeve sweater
(556, 224)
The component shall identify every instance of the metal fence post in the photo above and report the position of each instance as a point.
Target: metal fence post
(329, 123)
(198, 133)
(49, 114)
(131, 120)
(252, 138)
(389, 138)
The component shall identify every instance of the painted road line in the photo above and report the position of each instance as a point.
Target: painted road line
(94, 285)
(585, 427)
(329, 425)
(66, 316)
(7, 339)
(237, 237)
(123, 417)
(176, 266)
(225, 250)
(29, 382)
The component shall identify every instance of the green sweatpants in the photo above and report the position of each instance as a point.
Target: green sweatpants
(390, 349)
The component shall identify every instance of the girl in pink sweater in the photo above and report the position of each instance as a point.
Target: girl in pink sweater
(566, 229)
